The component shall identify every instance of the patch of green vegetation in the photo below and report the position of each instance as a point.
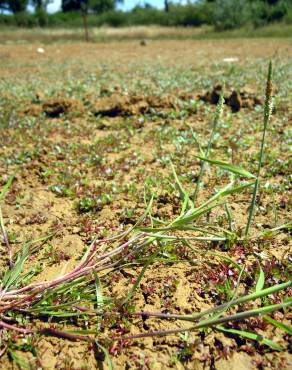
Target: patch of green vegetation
(185, 201)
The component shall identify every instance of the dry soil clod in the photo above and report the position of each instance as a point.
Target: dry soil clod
(54, 107)
(235, 99)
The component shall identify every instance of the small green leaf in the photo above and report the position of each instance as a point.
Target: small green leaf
(12, 276)
(6, 187)
(194, 213)
(99, 295)
(183, 193)
(261, 281)
(107, 356)
(228, 167)
(21, 363)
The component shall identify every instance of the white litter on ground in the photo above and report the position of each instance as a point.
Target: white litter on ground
(40, 50)
(230, 60)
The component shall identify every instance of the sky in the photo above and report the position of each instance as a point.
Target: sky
(127, 5)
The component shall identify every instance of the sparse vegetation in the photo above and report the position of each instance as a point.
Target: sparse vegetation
(135, 203)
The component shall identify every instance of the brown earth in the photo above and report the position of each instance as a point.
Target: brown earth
(32, 209)
(131, 105)
(235, 99)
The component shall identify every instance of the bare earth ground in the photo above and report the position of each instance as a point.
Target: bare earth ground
(85, 128)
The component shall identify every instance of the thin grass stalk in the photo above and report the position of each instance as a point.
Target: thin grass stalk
(238, 301)
(139, 278)
(267, 116)
(218, 114)
(214, 322)
(241, 315)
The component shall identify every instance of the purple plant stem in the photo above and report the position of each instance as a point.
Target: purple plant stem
(39, 290)
(157, 314)
(15, 328)
(3, 351)
(155, 333)
(64, 334)
(75, 272)
(50, 331)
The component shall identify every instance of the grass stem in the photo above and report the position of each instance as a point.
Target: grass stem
(267, 115)
(218, 114)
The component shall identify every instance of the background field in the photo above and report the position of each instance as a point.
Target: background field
(110, 34)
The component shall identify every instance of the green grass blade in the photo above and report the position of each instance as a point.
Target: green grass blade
(107, 356)
(21, 363)
(242, 315)
(229, 217)
(139, 278)
(278, 324)
(211, 322)
(183, 193)
(261, 281)
(99, 294)
(6, 187)
(12, 276)
(252, 336)
(192, 214)
(237, 170)
(238, 301)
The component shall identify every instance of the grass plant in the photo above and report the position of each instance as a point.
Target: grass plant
(267, 116)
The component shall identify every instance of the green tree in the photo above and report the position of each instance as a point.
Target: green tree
(3, 5)
(14, 6)
(100, 6)
(166, 5)
(38, 4)
(72, 5)
(96, 6)
(230, 14)
(86, 6)
(40, 7)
